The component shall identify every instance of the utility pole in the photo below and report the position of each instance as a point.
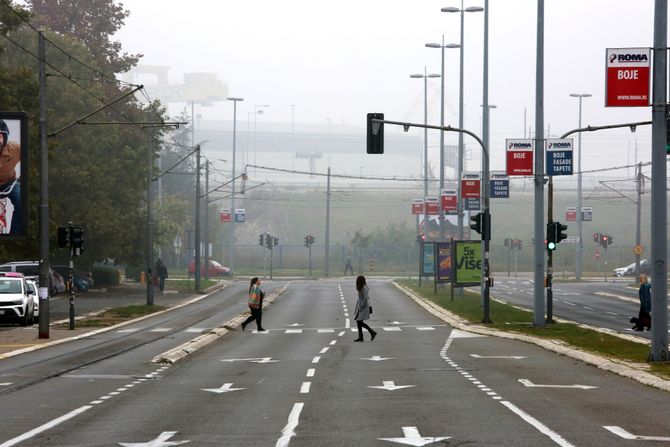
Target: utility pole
(326, 268)
(539, 230)
(150, 231)
(659, 178)
(197, 219)
(639, 186)
(207, 221)
(44, 195)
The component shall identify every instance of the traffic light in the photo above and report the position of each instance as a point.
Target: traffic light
(507, 242)
(77, 240)
(261, 239)
(596, 237)
(275, 241)
(63, 237)
(610, 240)
(476, 224)
(519, 244)
(560, 232)
(513, 243)
(307, 241)
(268, 240)
(551, 236)
(604, 241)
(375, 134)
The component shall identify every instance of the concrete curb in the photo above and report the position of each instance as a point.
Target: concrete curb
(192, 300)
(180, 352)
(555, 346)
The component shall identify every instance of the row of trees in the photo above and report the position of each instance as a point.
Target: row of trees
(97, 173)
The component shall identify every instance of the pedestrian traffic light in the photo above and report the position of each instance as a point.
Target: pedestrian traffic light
(261, 239)
(560, 232)
(551, 236)
(63, 237)
(596, 238)
(375, 134)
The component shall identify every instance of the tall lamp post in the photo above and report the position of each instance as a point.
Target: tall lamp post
(462, 10)
(258, 110)
(425, 77)
(232, 196)
(580, 244)
(442, 46)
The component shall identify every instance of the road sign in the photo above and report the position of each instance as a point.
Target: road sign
(570, 213)
(240, 215)
(432, 206)
(471, 185)
(450, 201)
(225, 215)
(417, 206)
(628, 75)
(571, 240)
(587, 213)
(559, 156)
(472, 204)
(638, 250)
(520, 156)
(499, 187)
(597, 254)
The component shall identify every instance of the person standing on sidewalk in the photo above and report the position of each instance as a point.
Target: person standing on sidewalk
(256, 296)
(348, 267)
(644, 315)
(162, 273)
(363, 309)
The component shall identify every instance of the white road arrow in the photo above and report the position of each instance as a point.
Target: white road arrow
(253, 360)
(530, 384)
(390, 386)
(160, 441)
(413, 437)
(626, 435)
(376, 358)
(224, 389)
(514, 357)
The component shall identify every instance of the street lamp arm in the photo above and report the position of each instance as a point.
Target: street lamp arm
(610, 126)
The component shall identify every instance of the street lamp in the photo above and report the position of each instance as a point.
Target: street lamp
(460, 108)
(258, 110)
(442, 47)
(425, 77)
(232, 196)
(578, 251)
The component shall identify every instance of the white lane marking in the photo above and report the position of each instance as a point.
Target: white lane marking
(96, 402)
(413, 437)
(612, 313)
(569, 303)
(456, 333)
(304, 388)
(397, 322)
(325, 331)
(105, 397)
(225, 388)
(530, 384)
(114, 393)
(49, 425)
(332, 342)
(347, 324)
(310, 372)
(341, 334)
(255, 332)
(196, 330)
(627, 435)
(160, 441)
(293, 331)
(296, 325)
(324, 350)
(377, 358)
(253, 359)
(426, 328)
(392, 329)
(126, 331)
(588, 308)
(161, 329)
(558, 439)
(6, 383)
(346, 314)
(389, 385)
(289, 431)
(316, 359)
(514, 357)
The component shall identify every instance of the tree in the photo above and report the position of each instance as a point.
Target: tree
(93, 23)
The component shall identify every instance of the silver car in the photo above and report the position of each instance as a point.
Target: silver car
(16, 302)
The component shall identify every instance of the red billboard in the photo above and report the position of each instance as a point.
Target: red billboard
(471, 185)
(628, 77)
(449, 201)
(570, 214)
(226, 215)
(432, 206)
(417, 206)
(520, 157)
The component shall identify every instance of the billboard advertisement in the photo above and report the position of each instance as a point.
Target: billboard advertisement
(628, 77)
(467, 263)
(520, 156)
(417, 206)
(13, 174)
(559, 156)
(443, 252)
(428, 259)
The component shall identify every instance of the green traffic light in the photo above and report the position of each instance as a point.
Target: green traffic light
(551, 246)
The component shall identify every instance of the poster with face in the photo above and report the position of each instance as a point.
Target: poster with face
(13, 169)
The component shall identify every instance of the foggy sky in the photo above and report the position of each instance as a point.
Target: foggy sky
(340, 60)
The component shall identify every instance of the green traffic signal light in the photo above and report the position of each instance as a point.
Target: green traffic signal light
(551, 246)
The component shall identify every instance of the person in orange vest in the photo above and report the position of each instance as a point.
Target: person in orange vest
(256, 296)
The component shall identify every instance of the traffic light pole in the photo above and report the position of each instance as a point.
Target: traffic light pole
(550, 256)
(70, 284)
(486, 233)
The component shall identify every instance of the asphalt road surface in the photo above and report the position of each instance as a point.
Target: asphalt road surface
(306, 383)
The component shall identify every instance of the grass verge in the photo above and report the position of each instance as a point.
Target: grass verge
(511, 319)
(188, 285)
(116, 315)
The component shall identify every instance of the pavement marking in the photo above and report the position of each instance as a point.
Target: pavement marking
(569, 303)
(310, 372)
(325, 331)
(126, 331)
(161, 329)
(377, 358)
(49, 425)
(6, 383)
(627, 435)
(96, 402)
(397, 322)
(392, 329)
(296, 325)
(160, 441)
(304, 388)
(316, 359)
(347, 324)
(225, 388)
(197, 330)
(114, 393)
(105, 397)
(558, 439)
(340, 334)
(425, 328)
(612, 313)
(289, 430)
(530, 384)
(346, 314)
(324, 350)
(332, 342)
(255, 332)
(588, 308)
(413, 437)
(513, 357)
(293, 331)
(389, 385)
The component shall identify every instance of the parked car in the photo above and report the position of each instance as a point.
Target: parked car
(621, 271)
(214, 268)
(32, 286)
(16, 301)
(31, 269)
(81, 284)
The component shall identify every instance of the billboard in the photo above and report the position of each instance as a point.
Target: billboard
(428, 259)
(13, 174)
(499, 185)
(520, 156)
(417, 206)
(628, 77)
(225, 215)
(559, 156)
(449, 201)
(470, 185)
(443, 252)
(467, 263)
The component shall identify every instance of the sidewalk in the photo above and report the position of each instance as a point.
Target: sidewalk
(95, 301)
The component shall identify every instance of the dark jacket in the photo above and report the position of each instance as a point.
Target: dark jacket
(645, 297)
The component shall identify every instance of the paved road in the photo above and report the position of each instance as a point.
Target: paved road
(305, 383)
(602, 304)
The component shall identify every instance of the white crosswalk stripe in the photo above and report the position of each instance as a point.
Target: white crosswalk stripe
(161, 329)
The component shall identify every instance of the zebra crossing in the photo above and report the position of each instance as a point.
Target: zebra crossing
(287, 331)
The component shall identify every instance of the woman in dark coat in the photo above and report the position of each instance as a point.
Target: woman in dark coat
(363, 309)
(644, 315)
(255, 304)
